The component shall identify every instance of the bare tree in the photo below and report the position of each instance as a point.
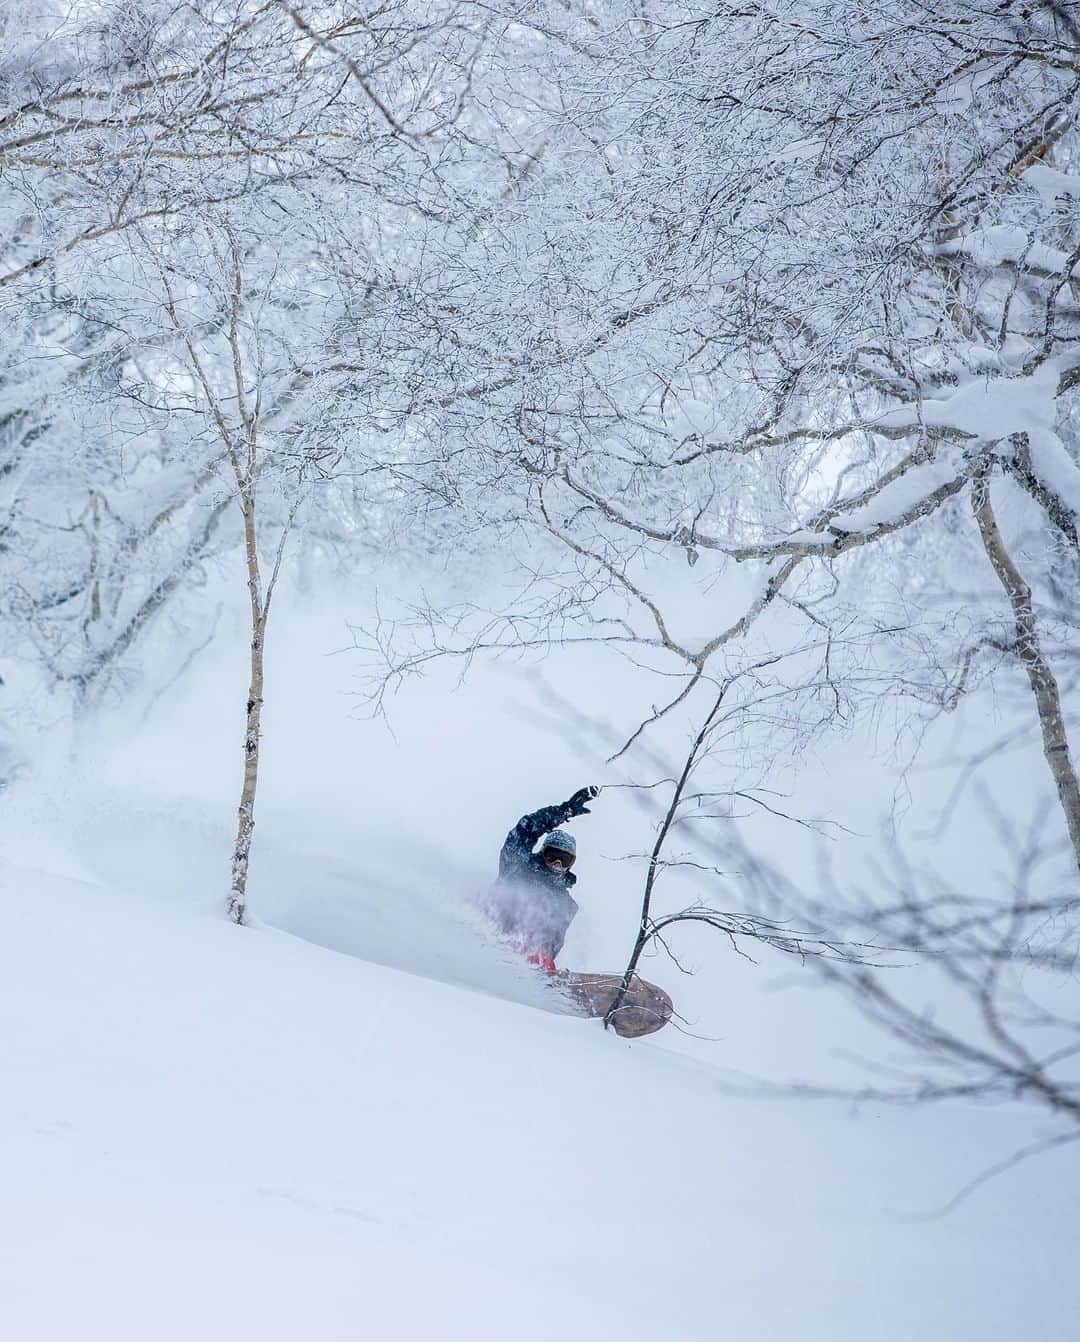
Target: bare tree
(236, 412)
(689, 806)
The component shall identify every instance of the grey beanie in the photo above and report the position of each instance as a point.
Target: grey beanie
(561, 839)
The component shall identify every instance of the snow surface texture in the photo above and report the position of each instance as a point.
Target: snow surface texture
(350, 1120)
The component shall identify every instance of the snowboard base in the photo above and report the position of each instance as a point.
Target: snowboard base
(644, 1009)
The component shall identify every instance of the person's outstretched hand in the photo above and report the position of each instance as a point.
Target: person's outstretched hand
(581, 796)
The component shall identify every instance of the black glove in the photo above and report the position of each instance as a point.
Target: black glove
(576, 804)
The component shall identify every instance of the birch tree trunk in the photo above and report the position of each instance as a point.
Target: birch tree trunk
(246, 817)
(1044, 686)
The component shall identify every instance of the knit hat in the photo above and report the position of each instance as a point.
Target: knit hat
(562, 840)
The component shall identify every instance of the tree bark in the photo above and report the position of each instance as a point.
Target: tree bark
(1044, 686)
(246, 819)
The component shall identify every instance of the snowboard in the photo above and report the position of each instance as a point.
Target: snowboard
(644, 1009)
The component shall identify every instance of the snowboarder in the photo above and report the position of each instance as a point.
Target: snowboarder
(530, 903)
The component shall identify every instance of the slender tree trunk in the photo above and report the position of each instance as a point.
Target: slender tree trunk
(246, 826)
(1044, 686)
(646, 927)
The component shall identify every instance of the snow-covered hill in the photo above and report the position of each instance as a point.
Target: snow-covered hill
(359, 1117)
(220, 1132)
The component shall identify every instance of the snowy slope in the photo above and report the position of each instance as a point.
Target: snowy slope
(356, 1119)
(232, 1132)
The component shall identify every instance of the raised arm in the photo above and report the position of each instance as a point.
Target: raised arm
(522, 838)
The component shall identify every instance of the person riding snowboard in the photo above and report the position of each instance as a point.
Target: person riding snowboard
(530, 903)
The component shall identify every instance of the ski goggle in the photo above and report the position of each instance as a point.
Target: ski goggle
(552, 854)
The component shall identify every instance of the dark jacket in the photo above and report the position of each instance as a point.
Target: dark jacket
(531, 904)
